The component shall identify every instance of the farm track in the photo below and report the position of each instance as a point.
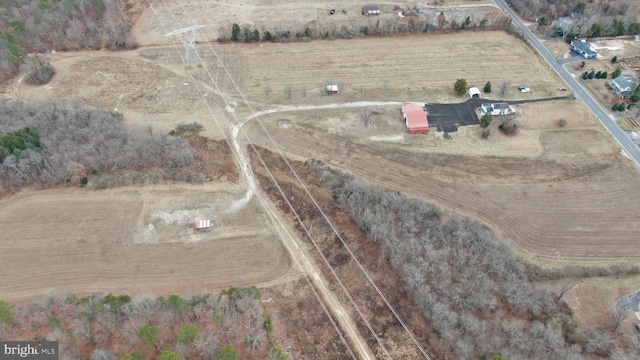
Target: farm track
(289, 238)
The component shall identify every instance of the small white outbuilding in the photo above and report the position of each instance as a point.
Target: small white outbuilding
(203, 224)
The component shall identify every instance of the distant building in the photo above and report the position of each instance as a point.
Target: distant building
(369, 10)
(583, 48)
(568, 24)
(496, 109)
(415, 118)
(623, 85)
(474, 92)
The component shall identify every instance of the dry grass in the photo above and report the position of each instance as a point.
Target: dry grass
(119, 241)
(216, 157)
(556, 192)
(408, 65)
(218, 15)
(591, 300)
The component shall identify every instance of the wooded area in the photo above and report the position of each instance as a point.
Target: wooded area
(468, 282)
(230, 325)
(413, 24)
(76, 144)
(41, 26)
(596, 19)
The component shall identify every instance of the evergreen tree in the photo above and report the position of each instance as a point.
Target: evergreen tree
(487, 87)
(235, 32)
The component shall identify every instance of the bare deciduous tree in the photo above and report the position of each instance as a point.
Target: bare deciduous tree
(366, 116)
(566, 287)
(505, 87)
(617, 316)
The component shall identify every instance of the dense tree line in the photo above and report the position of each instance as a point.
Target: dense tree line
(537, 9)
(359, 29)
(598, 19)
(53, 142)
(467, 282)
(230, 325)
(39, 26)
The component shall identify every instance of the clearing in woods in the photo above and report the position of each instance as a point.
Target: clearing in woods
(134, 241)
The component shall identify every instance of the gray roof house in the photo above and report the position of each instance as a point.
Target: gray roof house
(496, 109)
(566, 24)
(623, 85)
(583, 48)
(563, 23)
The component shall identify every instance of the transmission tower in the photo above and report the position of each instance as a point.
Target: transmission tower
(192, 57)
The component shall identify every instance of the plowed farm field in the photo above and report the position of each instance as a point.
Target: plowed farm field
(133, 241)
(388, 67)
(567, 199)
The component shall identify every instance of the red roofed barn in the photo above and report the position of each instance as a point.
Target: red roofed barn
(415, 118)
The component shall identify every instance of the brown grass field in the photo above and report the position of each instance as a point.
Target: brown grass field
(513, 184)
(567, 200)
(562, 195)
(218, 15)
(408, 66)
(132, 241)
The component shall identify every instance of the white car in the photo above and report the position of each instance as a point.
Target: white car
(524, 89)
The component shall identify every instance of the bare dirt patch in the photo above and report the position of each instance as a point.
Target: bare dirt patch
(132, 241)
(620, 47)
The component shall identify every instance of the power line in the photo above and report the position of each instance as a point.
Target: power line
(375, 335)
(336, 327)
(329, 222)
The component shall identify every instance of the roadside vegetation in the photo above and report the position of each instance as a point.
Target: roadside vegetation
(42, 26)
(468, 283)
(48, 143)
(412, 24)
(231, 325)
(597, 19)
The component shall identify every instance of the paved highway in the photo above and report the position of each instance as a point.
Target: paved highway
(620, 135)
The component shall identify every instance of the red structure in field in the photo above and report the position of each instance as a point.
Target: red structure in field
(415, 118)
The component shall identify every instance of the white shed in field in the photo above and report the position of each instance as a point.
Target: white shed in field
(332, 89)
(203, 224)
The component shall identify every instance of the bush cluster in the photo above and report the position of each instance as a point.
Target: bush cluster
(56, 142)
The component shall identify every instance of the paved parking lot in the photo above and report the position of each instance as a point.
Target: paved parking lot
(448, 117)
